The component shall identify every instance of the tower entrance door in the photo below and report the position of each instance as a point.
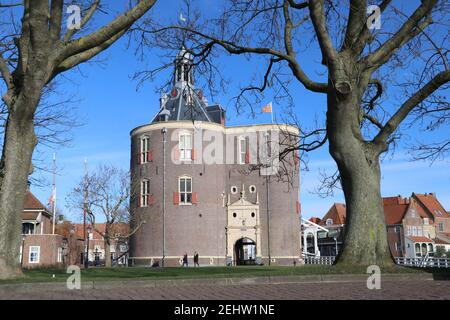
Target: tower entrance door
(245, 252)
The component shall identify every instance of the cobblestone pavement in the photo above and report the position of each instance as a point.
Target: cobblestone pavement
(410, 289)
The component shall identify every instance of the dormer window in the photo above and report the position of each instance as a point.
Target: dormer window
(185, 146)
(329, 222)
(243, 151)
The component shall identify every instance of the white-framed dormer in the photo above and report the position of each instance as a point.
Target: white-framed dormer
(185, 145)
(185, 190)
(242, 152)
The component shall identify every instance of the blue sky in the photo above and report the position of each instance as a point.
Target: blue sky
(110, 106)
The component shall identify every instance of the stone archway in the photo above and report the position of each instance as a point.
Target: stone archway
(245, 252)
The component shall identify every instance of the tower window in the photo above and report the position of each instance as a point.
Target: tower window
(185, 190)
(145, 150)
(185, 146)
(145, 193)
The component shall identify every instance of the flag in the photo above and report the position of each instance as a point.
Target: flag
(267, 108)
(51, 200)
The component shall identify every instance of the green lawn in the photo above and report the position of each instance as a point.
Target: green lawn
(140, 273)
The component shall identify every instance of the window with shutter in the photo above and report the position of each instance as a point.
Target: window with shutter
(185, 146)
(185, 189)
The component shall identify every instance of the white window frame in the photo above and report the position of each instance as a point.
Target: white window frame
(329, 222)
(441, 226)
(398, 247)
(185, 192)
(145, 192)
(426, 221)
(242, 154)
(184, 148)
(144, 147)
(38, 254)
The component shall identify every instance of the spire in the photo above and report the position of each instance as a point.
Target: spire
(184, 68)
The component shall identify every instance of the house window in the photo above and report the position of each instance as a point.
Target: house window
(419, 231)
(414, 231)
(185, 190)
(441, 226)
(438, 212)
(27, 228)
(243, 148)
(34, 254)
(329, 222)
(398, 247)
(185, 146)
(426, 221)
(60, 255)
(397, 229)
(145, 193)
(145, 149)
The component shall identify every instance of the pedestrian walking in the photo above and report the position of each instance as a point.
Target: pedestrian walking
(185, 260)
(196, 259)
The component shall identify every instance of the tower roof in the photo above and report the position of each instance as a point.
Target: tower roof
(185, 102)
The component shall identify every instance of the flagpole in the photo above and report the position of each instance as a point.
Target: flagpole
(54, 191)
(271, 111)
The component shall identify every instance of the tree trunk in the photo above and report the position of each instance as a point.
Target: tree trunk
(19, 143)
(358, 163)
(107, 254)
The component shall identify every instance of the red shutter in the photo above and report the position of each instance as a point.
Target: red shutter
(296, 158)
(151, 199)
(298, 207)
(247, 157)
(194, 198)
(149, 155)
(176, 198)
(193, 155)
(139, 158)
(177, 154)
(139, 201)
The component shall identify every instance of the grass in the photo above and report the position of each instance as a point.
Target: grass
(141, 273)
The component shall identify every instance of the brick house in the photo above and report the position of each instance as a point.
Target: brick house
(96, 242)
(39, 247)
(415, 226)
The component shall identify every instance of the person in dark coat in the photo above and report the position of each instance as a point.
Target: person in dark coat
(196, 259)
(185, 260)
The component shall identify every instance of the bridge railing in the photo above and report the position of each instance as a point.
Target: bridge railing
(326, 260)
(427, 262)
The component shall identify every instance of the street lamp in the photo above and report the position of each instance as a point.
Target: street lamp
(86, 260)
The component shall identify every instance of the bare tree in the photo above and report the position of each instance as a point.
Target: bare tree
(32, 54)
(105, 194)
(360, 72)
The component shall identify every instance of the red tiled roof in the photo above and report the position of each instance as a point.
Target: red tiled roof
(441, 241)
(315, 220)
(420, 239)
(431, 204)
(29, 215)
(32, 203)
(121, 228)
(395, 209)
(337, 213)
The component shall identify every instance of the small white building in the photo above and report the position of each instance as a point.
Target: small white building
(309, 232)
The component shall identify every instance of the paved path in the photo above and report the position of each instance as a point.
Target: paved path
(404, 289)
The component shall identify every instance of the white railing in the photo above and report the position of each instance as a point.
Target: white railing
(319, 260)
(424, 262)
